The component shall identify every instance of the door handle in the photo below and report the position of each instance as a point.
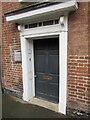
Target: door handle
(35, 76)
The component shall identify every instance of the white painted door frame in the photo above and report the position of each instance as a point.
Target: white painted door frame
(27, 37)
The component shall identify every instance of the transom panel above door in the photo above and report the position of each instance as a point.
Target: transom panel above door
(46, 53)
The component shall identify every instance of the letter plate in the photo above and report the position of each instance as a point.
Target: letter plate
(47, 77)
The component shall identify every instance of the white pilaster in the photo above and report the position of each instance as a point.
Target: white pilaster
(62, 72)
(27, 77)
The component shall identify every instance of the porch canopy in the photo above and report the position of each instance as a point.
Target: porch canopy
(42, 11)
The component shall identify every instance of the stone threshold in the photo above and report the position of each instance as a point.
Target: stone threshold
(44, 103)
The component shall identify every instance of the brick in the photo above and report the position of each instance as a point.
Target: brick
(81, 100)
(72, 89)
(80, 97)
(80, 87)
(72, 95)
(80, 91)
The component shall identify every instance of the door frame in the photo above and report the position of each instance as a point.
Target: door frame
(27, 37)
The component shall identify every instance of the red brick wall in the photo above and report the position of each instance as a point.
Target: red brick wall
(12, 73)
(89, 54)
(78, 59)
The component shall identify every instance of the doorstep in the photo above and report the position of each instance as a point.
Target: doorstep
(44, 103)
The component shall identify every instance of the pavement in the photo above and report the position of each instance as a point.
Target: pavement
(13, 107)
(16, 108)
(0, 104)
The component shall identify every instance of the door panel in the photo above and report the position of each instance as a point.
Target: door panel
(47, 69)
(53, 66)
(40, 61)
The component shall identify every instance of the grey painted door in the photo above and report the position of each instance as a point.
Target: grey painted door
(47, 69)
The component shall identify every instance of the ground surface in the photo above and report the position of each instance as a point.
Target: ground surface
(16, 108)
(0, 104)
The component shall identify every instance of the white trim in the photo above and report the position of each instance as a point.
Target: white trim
(38, 31)
(67, 6)
(33, 74)
(28, 84)
(24, 68)
(63, 72)
(27, 68)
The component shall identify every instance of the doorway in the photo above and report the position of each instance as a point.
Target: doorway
(46, 64)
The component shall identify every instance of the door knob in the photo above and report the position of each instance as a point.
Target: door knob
(35, 76)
